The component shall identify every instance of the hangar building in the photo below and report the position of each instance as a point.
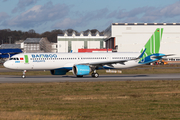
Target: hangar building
(31, 45)
(68, 42)
(131, 37)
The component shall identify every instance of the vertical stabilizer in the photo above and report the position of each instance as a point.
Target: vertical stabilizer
(153, 44)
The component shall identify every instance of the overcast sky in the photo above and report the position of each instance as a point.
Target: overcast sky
(47, 15)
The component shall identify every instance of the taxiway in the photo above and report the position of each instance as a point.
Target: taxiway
(71, 78)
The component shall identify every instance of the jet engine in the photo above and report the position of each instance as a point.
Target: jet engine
(80, 70)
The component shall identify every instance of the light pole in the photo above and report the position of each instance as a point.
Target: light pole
(10, 39)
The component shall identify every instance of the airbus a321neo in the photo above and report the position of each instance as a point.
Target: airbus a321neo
(86, 63)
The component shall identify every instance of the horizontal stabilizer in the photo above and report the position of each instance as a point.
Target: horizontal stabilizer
(163, 56)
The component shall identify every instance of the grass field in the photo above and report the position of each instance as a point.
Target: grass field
(116, 100)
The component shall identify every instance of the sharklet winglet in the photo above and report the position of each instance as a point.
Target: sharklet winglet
(141, 55)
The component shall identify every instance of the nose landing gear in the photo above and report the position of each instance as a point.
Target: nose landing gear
(24, 72)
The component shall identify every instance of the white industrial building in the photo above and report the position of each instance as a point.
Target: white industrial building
(31, 45)
(123, 37)
(73, 41)
(131, 37)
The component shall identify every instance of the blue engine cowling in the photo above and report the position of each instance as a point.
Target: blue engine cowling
(59, 72)
(81, 70)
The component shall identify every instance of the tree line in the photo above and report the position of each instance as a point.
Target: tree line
(8, 36)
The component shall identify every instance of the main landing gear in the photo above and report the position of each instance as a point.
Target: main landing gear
(95, 74)
(24, 72)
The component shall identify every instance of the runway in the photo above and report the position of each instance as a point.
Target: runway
(71, 78)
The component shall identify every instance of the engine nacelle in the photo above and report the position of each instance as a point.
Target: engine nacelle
(58, 72)
(81, 70)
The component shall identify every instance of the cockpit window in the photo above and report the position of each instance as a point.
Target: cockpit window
(14, 59)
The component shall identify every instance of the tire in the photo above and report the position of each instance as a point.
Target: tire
(96, 75)
(93, 74)
(23, 76)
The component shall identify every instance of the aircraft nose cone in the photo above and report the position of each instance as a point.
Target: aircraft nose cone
(6, 65)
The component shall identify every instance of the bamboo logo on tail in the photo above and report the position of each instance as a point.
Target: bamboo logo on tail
(152, 46)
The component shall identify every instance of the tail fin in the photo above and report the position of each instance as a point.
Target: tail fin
(152, 46)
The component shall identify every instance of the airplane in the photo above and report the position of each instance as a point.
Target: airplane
(85, 63)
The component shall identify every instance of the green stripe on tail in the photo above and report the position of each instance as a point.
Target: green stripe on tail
(153, 44)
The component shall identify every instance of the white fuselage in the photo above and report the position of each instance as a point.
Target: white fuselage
(50, 61)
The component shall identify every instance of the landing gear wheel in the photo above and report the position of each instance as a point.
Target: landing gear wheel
(23, 76)
(24, 72)
(95, 75)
